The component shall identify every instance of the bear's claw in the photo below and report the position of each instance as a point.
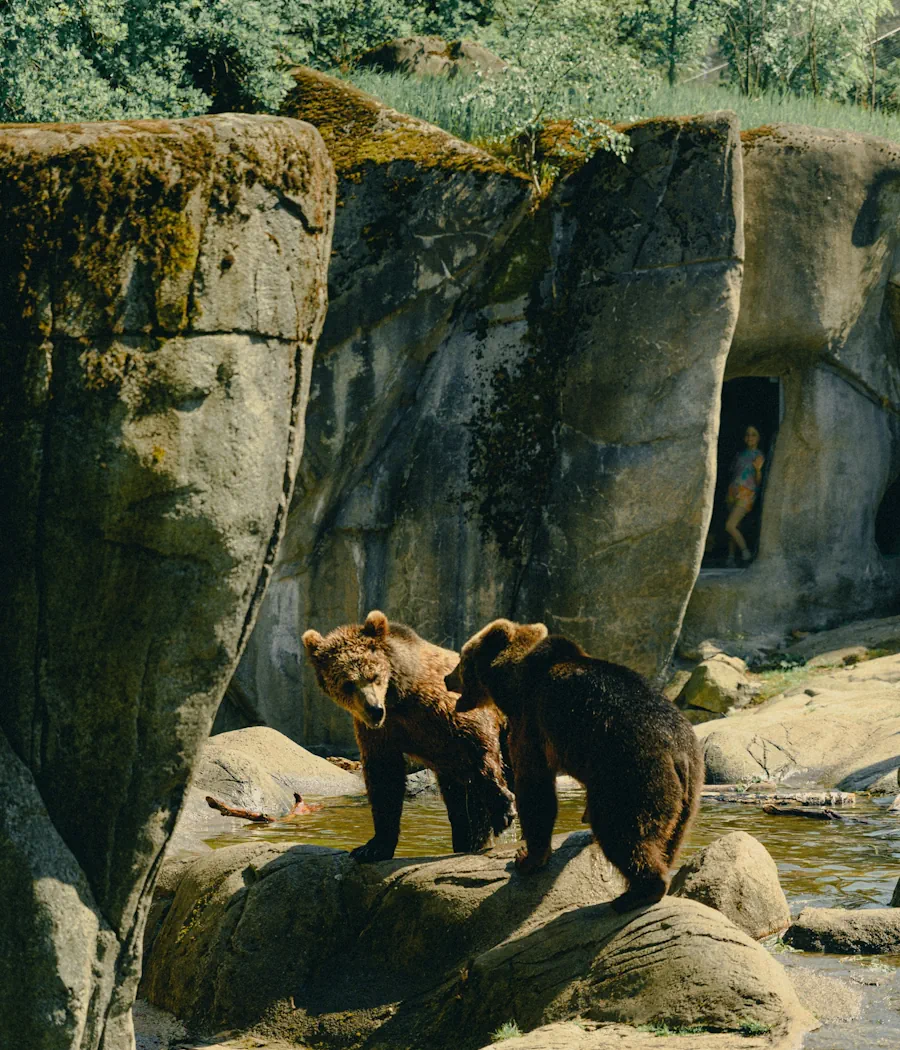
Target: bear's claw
(372, 852)
(528, 862)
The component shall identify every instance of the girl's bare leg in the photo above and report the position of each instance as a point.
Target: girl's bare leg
(737, 514)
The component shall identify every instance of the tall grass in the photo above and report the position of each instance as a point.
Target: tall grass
(440, 101)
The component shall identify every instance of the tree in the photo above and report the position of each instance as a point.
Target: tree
(823, 47)
(670, 33)
(114, 59)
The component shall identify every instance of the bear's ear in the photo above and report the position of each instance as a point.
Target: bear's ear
(312, 640)
(490, 641)
(376, 625)
(529, 634)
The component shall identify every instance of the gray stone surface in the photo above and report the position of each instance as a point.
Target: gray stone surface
(474, 354)
(736, 875)
(866, 931)
(843, 736)
(151, 412)
(821, 226)
(441, 952)
(883, 633)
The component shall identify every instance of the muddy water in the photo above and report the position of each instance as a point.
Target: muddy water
(823, 864)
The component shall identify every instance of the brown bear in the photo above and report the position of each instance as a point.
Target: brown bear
(392, 682)
(601, 723)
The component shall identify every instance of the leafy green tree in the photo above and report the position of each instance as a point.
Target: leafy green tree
(822, 47)
(109, 59)
(671, 34)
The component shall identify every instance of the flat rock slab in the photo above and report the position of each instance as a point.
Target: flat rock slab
(881, 633)
(587, 1035)
(843, 736)
(307, 945)
(868, 931)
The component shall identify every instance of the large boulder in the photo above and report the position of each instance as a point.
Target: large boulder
(818, 311)
(717, 685)
(866, 931)
(839, 730)
(258, 769)
(441, 952)
(493, 398)
(163, 288)
(736, 875)
(432, 56)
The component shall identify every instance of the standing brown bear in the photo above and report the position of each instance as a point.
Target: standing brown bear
(601, 723)
(392, 682)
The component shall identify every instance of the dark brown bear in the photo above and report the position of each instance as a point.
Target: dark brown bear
(392, 682)
(601, 723)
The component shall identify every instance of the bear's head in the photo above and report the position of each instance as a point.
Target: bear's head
(353, 668)
(486, 661)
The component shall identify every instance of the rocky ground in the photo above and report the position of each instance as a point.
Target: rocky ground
(833, 722)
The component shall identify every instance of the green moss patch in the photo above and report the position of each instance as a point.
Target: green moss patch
(359, 131)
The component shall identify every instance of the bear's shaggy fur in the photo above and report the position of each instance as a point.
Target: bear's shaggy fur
(601, 723)
(392, 682)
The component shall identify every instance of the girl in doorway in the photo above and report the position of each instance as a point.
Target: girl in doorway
(746, 476)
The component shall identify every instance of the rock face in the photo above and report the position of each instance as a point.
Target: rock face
(839, 731)
(868, 931)
(439, 953)
(493, 400)
(818, 311)
(163, 289)
(736, 876)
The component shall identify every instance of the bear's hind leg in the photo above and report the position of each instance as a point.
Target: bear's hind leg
(641, 860)
(470, 819)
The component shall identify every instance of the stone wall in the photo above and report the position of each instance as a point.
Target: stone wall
(492, 398)
(515, 410)
(163, 287)
(822, 227)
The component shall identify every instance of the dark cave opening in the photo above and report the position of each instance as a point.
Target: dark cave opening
(887, 520)
(755, 400)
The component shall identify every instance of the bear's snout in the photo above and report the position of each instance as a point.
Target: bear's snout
(453, 681)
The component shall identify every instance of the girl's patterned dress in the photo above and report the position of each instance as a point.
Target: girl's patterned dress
(744, 486)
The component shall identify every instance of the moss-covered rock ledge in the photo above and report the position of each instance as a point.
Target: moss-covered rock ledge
(162, 288)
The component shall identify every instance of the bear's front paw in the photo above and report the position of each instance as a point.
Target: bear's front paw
(372, 851)
(527, 861)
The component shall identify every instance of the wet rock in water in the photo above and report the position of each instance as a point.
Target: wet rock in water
(163, 286)
(827, 998)
(257, 769)
(736, 876)
(442, 952)
(866, 931)
(717, 685)
(844, 736)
